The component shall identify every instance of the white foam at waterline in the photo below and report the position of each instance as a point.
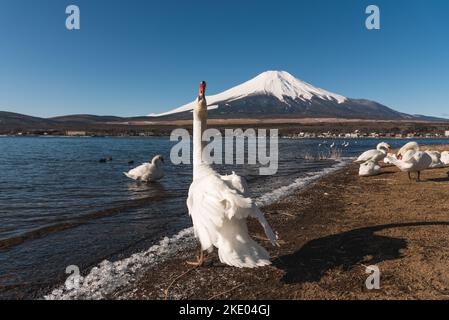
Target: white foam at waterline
(108, 277)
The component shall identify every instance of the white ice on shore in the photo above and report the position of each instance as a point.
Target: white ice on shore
(108, 277)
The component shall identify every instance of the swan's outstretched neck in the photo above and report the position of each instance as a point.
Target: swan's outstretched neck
(199, 126)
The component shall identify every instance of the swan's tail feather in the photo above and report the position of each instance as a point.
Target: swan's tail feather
(266, 227)
(237, 249)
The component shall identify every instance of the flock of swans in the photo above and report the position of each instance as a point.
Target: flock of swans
(219, 205)
(408, 159)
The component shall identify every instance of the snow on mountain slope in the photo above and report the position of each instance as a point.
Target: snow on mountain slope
(278, 84)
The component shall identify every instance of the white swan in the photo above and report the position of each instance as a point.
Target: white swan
(148, 172)
(369, 168)
(219, 206)
(387, 161)
(413, 161)
(407, 147)
(375, 155)
(445, 157)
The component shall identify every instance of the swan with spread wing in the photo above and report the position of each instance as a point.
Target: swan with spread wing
(220, 205)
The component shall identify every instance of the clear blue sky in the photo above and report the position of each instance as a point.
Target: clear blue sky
(140, 56)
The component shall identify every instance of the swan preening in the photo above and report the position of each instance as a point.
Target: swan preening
(148, 172)
(369, 168)
(369, 160)
(375, 155)
(413, 161)
(408, 159)
(219, 206)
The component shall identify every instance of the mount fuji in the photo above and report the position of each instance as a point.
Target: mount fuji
(279, 94)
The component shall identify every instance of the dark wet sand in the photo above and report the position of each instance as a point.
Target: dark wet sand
(329, 233)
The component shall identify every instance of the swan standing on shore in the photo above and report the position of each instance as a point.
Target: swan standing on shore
(148, 172)
(369, 168)
(412, 161)
(374, 155)
(219, 206)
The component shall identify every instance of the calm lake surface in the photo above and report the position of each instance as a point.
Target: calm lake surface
(60, 206)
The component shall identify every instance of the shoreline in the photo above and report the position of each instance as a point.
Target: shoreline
(326, 245)
(107, 278)
(147, 275)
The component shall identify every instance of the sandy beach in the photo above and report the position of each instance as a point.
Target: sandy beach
(329, 232)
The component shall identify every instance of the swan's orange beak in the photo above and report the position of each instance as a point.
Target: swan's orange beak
(202, 90)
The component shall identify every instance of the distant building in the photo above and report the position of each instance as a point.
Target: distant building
(75, 133)
(446, 133)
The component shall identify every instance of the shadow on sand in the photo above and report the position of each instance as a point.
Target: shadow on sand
(344, 250)
(445, 179)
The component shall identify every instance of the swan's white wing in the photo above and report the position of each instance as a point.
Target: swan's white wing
(219, 210)
(154, 173)
(374, 155)
(368, 169)
(436, 159)
(138, 172)
(239, 183)
(421, 160)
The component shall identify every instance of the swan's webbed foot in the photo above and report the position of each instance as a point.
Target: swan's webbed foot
(200, 261)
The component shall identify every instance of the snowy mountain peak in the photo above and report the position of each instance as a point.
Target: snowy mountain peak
(282, 84)
(278, 84)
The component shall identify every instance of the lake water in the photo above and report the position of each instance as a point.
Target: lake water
(60, 206)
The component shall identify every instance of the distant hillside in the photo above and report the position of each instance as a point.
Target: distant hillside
(87, 118)
(16, 120)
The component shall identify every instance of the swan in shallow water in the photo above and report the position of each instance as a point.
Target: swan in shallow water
(148, 172)
(369, 168)
(374, 155)
(220, 205)
(445, 157)
(413, 161)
